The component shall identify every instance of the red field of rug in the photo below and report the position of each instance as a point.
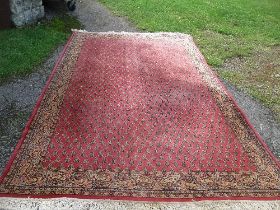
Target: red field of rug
(138, 116)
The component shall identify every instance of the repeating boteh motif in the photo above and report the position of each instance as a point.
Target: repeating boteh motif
(51, 161)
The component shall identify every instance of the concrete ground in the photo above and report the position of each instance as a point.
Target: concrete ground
(82, 204)
(18, 96)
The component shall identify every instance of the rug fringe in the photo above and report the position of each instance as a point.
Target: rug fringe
(152, 34)
(84, 204)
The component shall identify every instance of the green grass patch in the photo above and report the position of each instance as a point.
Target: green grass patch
(23, 49)
(222, 29)
(258, 75)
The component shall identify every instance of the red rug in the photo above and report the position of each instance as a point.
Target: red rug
(138, 116)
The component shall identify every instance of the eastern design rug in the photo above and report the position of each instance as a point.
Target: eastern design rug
(138, 116)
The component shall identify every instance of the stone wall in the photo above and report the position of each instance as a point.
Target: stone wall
(26, 11)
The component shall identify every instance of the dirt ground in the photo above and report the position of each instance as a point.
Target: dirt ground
(18, 97)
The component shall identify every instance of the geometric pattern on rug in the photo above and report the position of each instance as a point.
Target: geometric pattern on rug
(135, 115)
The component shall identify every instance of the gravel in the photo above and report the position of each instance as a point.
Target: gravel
(95, 17)
(260, 117)
(18, 97)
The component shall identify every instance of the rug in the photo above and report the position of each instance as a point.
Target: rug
(138, 116)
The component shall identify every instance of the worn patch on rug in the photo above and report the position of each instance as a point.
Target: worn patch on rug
(138, 116)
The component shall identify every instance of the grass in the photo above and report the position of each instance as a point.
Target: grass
(222, 30)
(23, 49)
(258, 75)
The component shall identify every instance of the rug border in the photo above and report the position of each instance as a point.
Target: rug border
(147, 199)
(35, 109)
(38, 103)
(247, 121)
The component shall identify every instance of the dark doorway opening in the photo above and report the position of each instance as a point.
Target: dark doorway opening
(5, 14)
